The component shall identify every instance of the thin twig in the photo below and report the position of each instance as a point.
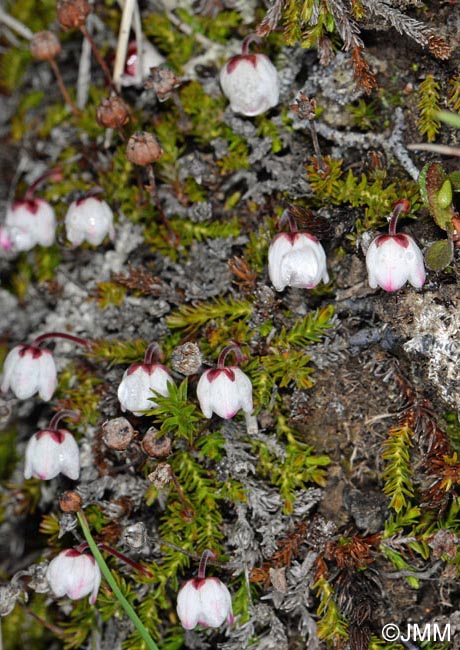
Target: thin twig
(123, 40)
(97, 54)
(15, 25)
(63, 89)
(84, 74)
(435, 148)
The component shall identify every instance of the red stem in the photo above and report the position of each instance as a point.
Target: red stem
(98, 56)
(60, 415)
(141, 569)
(54, 174)
(288, 218)
(251, 38)
(207, 555)
(152, 354)
(60, 335)
(400, 207)
(233, 347)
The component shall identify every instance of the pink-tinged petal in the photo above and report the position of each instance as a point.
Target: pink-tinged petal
(9, 365)
(69, 457)
(188, 606)
(279, 248)
(30, 454)
(45, 459)
(134, 391)
(203, 393)
(244, 390)
(159, 382)
(48, 376)
(25, 377)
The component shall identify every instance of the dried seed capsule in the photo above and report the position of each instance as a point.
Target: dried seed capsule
(112, 113)
(161, 475)
(143, 148)
(156, 447)
(187, 359)
(70, 501)
(45, 46)
(117, 433)
(72, 13)
(164, 81)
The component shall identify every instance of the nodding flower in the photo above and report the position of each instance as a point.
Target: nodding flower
(52, 451)
(135, 392)
(89, 219)
(394, 259)
(250, 81)
(30, 369)
(226, 389)
(296, 259)
(204, 601)
(74, 574)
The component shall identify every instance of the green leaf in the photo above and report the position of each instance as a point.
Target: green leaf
(452, 119)
(432, 179)
(439, 255)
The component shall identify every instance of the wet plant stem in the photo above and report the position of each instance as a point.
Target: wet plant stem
(60, 415)
(97, 54)
(60, 335)
(53, 628)
(151, 645)
(63, 89)
(152, 187)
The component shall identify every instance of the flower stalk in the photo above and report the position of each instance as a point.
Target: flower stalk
(151, 645)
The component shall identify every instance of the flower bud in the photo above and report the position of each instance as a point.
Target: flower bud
(112, 113)
(51, 452)
(250, 82)
(143, 148)
(30, 222)
(224, 391)
(204, 601)
(72, 13)
(296, 259)
(393, 260)
(89, 219)
(45, 46)
(29, 369)
(135, 391)
(74, 574)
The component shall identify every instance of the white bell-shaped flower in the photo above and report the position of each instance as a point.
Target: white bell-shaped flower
(204, 601)
(224, 391)
(393, 260)
(89, 219)
(250, 82)
(51, 452)
(296, 259)
(151, 58)
(139, 380)
(29, 369)
(28, 223)
(74, 574)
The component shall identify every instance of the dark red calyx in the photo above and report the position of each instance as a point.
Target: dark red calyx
(34, 350)
(197, 583)
(215, 372)
(402, 240)
(31, 205)
(58, 435)
(233, 62)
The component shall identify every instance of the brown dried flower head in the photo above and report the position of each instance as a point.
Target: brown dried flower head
(112, 113)
(70, 501)
(45, 46)
(154, 446)
(117, 433)
(72, 13)
(143, 148)
(164, 81)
